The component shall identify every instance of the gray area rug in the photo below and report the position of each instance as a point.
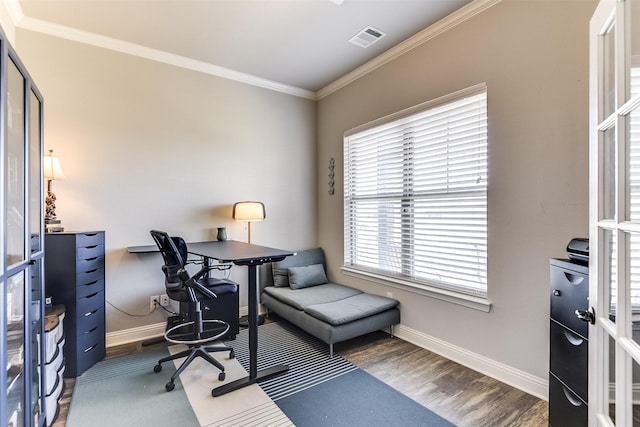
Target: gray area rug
(126, 392)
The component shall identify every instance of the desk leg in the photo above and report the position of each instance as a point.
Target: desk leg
(253, 321)
(255, 376)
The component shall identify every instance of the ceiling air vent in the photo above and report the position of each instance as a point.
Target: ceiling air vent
(367, 37)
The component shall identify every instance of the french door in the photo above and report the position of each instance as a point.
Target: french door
(614, 211)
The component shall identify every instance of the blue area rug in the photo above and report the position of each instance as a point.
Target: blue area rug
(356, 399)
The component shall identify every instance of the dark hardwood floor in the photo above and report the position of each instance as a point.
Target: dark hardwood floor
(461, 395)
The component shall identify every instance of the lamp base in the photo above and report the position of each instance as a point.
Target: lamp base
(53, 226)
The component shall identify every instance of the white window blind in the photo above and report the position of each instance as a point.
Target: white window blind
(415, 203)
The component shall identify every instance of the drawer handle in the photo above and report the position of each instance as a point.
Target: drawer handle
(588, 315)
(91, 247)
(91, 283)
(572, 338)
(573, 279)
(88, 349)
(92, 295)
(90, 330)
(92, 259)
(90, 234)
(571, 398)
(87, 314)
(91, 271)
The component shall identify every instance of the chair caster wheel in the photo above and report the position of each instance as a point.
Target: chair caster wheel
(169, 386)
(157, 368)
(232, 354)
(222, 376)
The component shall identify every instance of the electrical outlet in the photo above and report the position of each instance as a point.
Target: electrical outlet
(164, 300)
(154, 302)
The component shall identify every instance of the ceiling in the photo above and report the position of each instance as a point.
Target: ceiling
(299, 43)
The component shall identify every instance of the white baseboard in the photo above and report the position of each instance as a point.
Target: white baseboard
(524, 381)
(142, 333)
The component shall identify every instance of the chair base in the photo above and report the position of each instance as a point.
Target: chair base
(182, 334)
(190, 354)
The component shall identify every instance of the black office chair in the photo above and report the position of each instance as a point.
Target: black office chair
(183, 287)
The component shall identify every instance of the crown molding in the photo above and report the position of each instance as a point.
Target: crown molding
(445, 24)
(133, 49)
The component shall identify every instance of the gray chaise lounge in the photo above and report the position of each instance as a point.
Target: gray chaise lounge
(298, 291)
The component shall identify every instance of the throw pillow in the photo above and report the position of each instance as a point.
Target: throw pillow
(307, 276)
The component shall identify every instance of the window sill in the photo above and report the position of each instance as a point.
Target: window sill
(469, 301)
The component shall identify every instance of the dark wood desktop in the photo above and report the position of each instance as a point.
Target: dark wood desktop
(251, 256)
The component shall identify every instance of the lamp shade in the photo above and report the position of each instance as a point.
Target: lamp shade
(52, 169)
(249, 211)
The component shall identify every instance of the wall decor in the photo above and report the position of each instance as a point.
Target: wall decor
(332, 166)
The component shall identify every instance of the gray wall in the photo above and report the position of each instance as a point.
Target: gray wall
(146, 145)
(533, 55)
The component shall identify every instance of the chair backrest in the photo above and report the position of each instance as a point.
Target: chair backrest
(174, 253)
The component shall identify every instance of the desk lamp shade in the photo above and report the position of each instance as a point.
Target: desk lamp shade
(249, 212)
(52, 171)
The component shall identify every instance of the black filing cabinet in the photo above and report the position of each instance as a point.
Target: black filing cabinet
(568, 346)
(225, 308)
(74, 276)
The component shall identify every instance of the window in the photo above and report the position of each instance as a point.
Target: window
(415, 208)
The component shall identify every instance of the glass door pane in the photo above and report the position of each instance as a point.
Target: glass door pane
(36, 307)
(608, 75)
(15, 348)
(35, 177)
(633, 163)
(609, 173)
(15, 170)
(634, 49)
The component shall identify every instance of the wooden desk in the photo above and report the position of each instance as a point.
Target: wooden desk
(251, 256)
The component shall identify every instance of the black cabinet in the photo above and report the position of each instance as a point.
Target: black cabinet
(225, 308)
(74, 276)
(568, 346)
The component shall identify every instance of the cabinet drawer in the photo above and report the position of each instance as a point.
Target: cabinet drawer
(569, 292)
(89, 239)
(91, 321)
(89, 340)
(569, 358)
(87, 305)
(565, 407)
(90, 357)
(89, 276)
(90, 264)
(88, 288)
(88, 252)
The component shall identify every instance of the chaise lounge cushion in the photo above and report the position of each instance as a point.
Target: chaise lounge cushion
(307, 276)
(350, 309)
(280, 269)
(301, 298)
